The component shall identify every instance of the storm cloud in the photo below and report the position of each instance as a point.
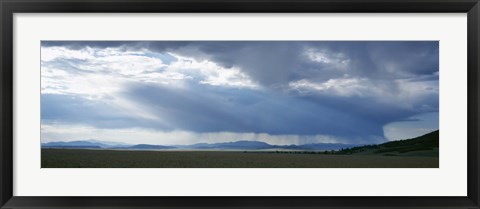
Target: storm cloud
(343, 90)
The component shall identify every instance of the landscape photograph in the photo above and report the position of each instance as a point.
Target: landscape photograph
(239, 104)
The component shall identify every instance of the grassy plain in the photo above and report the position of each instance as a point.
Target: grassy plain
(91, 158)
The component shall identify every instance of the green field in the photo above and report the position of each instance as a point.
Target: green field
(84, 158)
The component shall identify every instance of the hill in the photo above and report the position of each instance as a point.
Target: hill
(258, 145)
(74, 144)
(425, 145)
(235, 145)
(231, 145)
(149, 146)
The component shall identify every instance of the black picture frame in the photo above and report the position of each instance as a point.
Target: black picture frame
(9, 7)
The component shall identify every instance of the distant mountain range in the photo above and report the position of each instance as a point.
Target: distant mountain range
(86, 143)
(425, 145)
(236, 145)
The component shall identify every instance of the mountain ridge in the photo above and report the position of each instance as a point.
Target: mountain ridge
(233, 145)
(427, 141)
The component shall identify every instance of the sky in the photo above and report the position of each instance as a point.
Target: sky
(279, 92)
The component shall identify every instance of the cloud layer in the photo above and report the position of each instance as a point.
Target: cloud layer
(267, 90)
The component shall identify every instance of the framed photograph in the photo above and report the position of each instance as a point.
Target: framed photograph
(239, 104)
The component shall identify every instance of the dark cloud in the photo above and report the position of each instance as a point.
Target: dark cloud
(275, 62)
(201, 110)
(376, 111)
(209, 110)
(155, 46)
(387, 66)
